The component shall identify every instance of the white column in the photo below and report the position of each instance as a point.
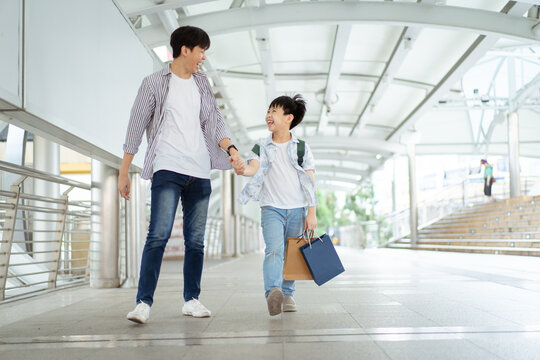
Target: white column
(46, 158)
(411, 152)
(395, 224)
(227, 213)
(394, 200)
(104, 247)
(513, 132)
(136, 236)
(513, 154)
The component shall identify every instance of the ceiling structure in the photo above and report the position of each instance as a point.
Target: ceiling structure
(375, 74)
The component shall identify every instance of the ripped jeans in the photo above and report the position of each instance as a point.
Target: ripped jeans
(277, 226)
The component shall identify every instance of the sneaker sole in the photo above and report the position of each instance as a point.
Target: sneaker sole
(274, 301)
(289, 308)
(136, 319)
(195, 316)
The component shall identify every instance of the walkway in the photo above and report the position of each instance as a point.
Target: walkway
(389, 304)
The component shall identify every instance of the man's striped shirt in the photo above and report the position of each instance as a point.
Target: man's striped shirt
(147, 114)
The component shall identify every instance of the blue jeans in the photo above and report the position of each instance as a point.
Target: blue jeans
(167, 188)
(277, 226)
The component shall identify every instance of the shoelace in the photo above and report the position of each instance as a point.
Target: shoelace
(197, 305)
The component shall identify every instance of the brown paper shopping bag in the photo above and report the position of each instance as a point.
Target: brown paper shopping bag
(295, 267)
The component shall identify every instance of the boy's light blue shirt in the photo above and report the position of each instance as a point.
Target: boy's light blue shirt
(253, 190)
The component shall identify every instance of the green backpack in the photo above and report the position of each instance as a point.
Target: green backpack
(300, 151)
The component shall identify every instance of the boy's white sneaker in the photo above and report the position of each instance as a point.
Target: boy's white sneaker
(140, 314)
(289, 305)
(274, 301)
(194, 308)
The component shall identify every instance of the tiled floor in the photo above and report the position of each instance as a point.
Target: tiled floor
(389, 304)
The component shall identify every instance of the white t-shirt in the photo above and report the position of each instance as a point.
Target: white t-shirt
(281, 187)
(181, 147)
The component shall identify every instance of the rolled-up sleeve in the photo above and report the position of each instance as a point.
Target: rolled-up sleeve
(141, 115)
(221, 130)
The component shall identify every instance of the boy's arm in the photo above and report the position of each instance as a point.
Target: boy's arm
(311, 218)
(251, 168)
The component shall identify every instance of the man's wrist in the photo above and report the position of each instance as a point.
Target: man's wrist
(229, 148)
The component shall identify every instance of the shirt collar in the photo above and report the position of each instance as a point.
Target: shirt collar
(167, 71)
(268, 139)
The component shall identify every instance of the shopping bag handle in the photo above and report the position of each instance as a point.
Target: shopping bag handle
(310, 235)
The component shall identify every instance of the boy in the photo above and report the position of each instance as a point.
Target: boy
(285, 187)
(187, 137)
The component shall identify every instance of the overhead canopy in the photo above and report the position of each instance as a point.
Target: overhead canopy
(371, 71)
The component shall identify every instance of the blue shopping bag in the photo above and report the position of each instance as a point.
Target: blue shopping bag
(322, 259)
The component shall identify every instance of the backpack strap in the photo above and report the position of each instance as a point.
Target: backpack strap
(256, 149)
(300, 151)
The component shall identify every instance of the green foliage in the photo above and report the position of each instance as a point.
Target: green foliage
(358, 207)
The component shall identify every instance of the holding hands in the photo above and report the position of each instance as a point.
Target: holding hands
(237, 163)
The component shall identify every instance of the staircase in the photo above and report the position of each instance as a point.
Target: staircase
(509, 227)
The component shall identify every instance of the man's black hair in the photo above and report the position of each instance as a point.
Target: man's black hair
(295, 105)
(188, 36)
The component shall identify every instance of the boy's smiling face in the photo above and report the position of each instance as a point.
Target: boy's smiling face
(276, 120)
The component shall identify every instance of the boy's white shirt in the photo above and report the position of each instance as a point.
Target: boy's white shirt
(253, 190)
(281, 188)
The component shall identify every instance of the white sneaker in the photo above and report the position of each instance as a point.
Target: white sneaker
(194, 308)
(140, 314)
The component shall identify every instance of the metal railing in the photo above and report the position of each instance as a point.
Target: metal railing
(45, 240)
(448, 200)
(247, 231)
(213, 237)
(249, 234)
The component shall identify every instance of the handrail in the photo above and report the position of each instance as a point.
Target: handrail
(26, 171)
(443, 202)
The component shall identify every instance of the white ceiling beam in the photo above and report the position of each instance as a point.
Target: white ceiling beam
(265, 57)
(472, 55)
(330, 178)
(347, 143)
(341, 41)
(262, 39)
(336, 170)
(236, 4)
(333, 186)
(322, 76)
(401, 49)
(484, 107)
(526, 92)
(133, 8)
(323, 154)
(385, 13)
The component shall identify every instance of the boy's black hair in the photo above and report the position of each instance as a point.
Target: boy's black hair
(295, 105)
(189, 36)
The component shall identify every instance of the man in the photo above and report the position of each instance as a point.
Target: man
(187, 137)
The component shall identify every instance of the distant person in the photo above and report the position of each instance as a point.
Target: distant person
(488, 179)
(187, 137)
(283, 182)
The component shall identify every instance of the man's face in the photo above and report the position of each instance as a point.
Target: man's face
(277, 120)
(195, 58)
